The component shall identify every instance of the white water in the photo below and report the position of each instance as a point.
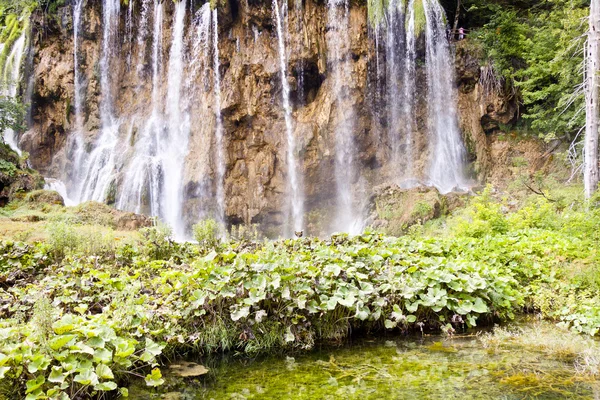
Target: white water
(174, 148)
(219, 142)
(409, 78)
(144, 173)
(348, 216)
(446, 147)
(295, 197)
(60, 187)
(9, 82)
(142, 33)
(76, 140)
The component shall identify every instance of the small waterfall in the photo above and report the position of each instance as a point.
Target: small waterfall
(348, 218)
(9, 81)
(142, 33)
(76, 140)
(99, 168)
(295, 195)
(447, 152)
(409, 81)
(299, 48)
(175, 146)
(394, 64)
(144, 176)
(219, 142)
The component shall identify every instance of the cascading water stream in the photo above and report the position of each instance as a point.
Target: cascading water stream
(99, 168)
(348, 218)
(174, 148)
(409, 78)
(447, 152)
(219, 142)
(145, 173)
(76, 140)
(142, 33)
(9, 82)
(295, 195)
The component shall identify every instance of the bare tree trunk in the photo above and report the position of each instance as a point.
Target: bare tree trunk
(456, 17)
(592, 102)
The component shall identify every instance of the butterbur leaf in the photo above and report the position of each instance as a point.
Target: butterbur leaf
(103, 356)
(240, 313)
(479, 306)
(86, 377)
(153, 348)
(124, 392)
(34, 384)
(390, 324)
(60, 341)
(57, 375)
(106, 386)
(38, 363)
(104, 372)
(289, 336)
(411, 318)
(154, 378)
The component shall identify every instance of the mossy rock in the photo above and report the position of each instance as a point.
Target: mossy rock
(45, 197)
(396, 209)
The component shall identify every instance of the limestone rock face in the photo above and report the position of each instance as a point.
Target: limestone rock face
(253, 117)
(482, 108)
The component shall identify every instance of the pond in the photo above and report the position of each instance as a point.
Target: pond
(472, 366)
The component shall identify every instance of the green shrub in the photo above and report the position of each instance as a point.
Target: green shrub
(206, 232)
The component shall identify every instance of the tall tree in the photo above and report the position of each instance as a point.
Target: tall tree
(592, 102)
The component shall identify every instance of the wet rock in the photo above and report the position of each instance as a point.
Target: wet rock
(188, 369)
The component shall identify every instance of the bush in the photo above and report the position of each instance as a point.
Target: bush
(206, 232)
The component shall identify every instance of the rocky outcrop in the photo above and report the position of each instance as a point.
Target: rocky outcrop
(483, 107)
(394, 210)
(16, 178)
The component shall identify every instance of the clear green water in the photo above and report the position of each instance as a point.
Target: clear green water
(393, 368)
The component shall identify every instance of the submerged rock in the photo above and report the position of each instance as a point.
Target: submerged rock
(188, 369)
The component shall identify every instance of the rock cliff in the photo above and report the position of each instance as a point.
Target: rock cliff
(250, 105)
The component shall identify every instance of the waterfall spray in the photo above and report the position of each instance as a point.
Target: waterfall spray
(348, 218)
(145, 173)
(175, 147)
(219, 143)
(295, 195)
(447, 150)
(9, 81)
(99, 168)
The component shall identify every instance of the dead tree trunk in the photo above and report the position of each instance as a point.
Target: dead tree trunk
(592, 102)
(456, 17)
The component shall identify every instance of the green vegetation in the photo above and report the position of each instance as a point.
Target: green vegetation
(12, 114)
(122, 304)
(536, 50)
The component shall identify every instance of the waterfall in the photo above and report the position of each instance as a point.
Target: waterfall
(175, 146)
(99, 168)
(348, 218)
(295, 197)
(219, 142)
(409, 78)
(145, 172)
(447, 152)
(394, 63)
(9, 81)
(76, 140)
(299, 48)
(142, 33)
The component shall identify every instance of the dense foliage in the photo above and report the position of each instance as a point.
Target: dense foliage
(537, 50)
(82, 313)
